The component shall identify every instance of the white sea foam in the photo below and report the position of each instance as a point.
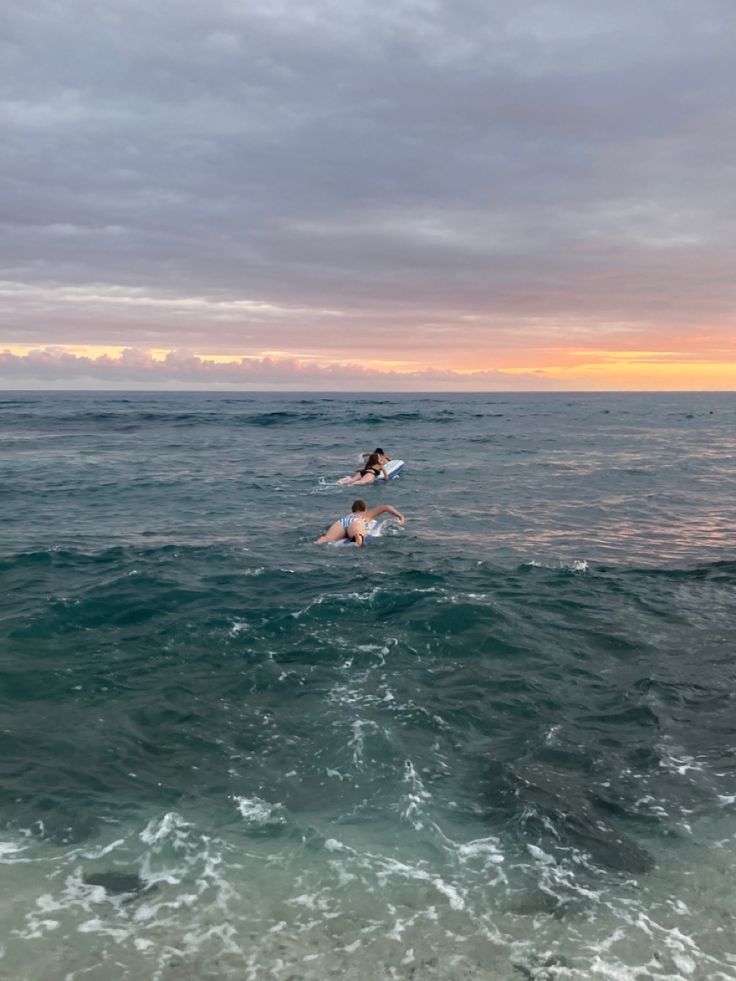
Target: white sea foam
(574, 565)
(412, 804)
(257, 811)
(316, 911)
(102, 850)
(10, 852)
(170, 828)
(351, 597)
(540, 855)
(681, 763)
(357, 740)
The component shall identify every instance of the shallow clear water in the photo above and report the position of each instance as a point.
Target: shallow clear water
(498, 743)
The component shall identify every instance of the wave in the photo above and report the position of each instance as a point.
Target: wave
(563, 809)
(122, 414)
(722, 571)
(121, 420)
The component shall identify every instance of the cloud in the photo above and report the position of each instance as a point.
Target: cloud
(299, 176)
(59, 368)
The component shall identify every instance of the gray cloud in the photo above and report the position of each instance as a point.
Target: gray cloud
(363, 168)
(53, 368)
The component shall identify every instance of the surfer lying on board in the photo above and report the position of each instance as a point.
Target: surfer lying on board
(372, 468)
(353, 525)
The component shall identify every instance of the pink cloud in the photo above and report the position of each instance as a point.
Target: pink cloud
(179, 369)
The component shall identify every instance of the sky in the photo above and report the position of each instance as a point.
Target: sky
(349, 195)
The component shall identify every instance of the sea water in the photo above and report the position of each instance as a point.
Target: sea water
(497, 743)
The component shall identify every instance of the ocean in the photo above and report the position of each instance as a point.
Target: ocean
(497, 743)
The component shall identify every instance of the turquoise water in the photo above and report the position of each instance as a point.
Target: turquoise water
(497, 743)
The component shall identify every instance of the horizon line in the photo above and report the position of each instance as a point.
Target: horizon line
(367, 391)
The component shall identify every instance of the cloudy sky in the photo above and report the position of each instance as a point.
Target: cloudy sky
(343, 194)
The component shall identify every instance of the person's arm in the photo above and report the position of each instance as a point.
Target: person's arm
(385, 473)
(384, 509)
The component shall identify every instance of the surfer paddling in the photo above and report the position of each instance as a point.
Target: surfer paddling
(353, 525)
(371, 469)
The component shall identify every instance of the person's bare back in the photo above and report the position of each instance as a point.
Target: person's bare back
(354, 525)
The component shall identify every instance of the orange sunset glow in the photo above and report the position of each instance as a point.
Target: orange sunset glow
(555, 369)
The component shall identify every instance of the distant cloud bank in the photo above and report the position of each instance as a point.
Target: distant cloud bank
(54, 367)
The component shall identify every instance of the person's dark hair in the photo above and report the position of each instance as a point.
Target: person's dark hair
(373, 460)
(359, 505)
(379, 450)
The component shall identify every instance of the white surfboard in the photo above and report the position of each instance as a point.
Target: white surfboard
(393, 468)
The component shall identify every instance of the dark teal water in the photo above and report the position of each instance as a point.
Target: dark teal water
(497, 743)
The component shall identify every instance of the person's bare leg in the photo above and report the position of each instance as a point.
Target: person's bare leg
(334, 533)
(358, 531)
